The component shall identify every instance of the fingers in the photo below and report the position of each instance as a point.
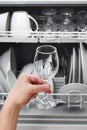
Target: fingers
(35, 79)
(41, 88)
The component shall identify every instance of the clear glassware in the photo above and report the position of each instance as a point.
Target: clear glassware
(46, 64)
(66, 23)
(49, 24)
(82, 21)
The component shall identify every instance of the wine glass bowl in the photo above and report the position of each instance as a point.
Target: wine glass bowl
(48, 12)
(46, 61)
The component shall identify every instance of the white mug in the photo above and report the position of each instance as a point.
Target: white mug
(4, 22)
(20, 24)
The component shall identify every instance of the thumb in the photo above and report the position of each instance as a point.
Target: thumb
(41, 88)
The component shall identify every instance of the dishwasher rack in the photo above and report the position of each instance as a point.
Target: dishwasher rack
(80, 103)
(47, 37)
(43, 37)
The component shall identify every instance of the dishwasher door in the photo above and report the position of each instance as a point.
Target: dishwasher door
(60, 117)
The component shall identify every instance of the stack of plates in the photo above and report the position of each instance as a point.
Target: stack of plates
(80, 77)
(73, 91)
(77, 83)
(73, 73)
(84, 62)
(78, 66)
(7, 67)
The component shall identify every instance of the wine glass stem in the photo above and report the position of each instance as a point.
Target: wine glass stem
(45, 94)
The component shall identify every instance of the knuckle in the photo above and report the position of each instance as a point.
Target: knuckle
(37, 77)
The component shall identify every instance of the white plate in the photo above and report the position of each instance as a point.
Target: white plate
(3, 82)
(75, 67)
(1, 90)
(70, 72)
(28, 68)
(79, 67)
(84, 63)
(11, 79)
(73, 88)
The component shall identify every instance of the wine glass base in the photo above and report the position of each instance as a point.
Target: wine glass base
(46, 102)
(47, 105)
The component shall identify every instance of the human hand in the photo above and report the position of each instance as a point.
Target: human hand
(26, 88)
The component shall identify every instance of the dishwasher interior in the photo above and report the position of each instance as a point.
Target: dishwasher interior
(72, 49)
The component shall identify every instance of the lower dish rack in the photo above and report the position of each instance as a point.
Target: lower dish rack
(71, 100)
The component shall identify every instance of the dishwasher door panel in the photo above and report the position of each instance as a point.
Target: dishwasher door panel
(51, 127)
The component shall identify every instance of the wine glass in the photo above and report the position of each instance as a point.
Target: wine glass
(46, 64)
(82, 21)
(66, 23)
(49, 23)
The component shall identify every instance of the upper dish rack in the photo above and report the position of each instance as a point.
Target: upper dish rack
(43, 37)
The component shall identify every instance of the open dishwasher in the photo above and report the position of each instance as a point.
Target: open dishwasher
(61, 24)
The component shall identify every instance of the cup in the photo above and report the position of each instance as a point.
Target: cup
(4, 22)
(21, 25)
(8, 61)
